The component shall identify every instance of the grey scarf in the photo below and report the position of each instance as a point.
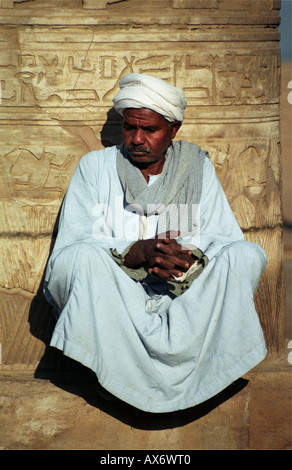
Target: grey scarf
(179, 184)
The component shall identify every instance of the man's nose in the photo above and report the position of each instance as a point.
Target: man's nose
(137, 137)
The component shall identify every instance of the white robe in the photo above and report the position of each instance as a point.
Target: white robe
(159, 353)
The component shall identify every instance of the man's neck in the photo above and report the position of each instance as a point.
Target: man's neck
(154, 168)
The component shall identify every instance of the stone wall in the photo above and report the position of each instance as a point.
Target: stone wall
(60, 65)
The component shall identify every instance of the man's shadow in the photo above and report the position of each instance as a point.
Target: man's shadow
(75, 378)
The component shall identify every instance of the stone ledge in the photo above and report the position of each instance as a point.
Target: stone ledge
(39, 414)
(271, 406)
(66, 413)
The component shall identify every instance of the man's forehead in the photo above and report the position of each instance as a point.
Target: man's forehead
(143, 114)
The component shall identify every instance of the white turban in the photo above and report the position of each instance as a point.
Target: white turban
(143, 91)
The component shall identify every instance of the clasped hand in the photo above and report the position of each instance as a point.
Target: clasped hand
(162, 256)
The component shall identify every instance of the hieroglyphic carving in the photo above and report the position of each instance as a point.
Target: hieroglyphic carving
(22, 261)
(204, 85)
(4, 99)
(39, 217)
(52, 69)
(233, 78)
(155, 64)
(249, 77)
(37, 177)
(27, 93)
(19, 345)
(26, 59)
(85, 67)
(250, 184)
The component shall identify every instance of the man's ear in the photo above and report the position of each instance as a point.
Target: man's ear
(175, 127)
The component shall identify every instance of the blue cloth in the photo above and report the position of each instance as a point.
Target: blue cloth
(158, 352)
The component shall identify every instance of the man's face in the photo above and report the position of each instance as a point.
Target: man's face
(147, 135)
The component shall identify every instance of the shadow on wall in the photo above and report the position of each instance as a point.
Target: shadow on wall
(73, 377)
(111, 133)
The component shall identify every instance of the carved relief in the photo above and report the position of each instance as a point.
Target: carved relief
(206, 79)
(26, 92)
(86, 66)
(249, 78)
(3, 98)
(34, 177)
(249, 182)
(19, 346)
(52, 69)
(22, 263)
(202, 83)
(39, 217)
(37, 177)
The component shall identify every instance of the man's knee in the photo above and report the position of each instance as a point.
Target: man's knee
(75, 258)
(79, 251)
(246, 255)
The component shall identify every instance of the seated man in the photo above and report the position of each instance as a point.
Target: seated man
(151, 277)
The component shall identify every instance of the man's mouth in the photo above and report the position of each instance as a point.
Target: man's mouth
(138, 150)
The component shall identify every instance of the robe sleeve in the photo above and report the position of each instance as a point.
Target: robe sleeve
(177, 287)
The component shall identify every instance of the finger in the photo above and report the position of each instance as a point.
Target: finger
(171, 262)
(168, 250)
(174, 249)
(165, 275)
(158, 273)
(164, 263)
